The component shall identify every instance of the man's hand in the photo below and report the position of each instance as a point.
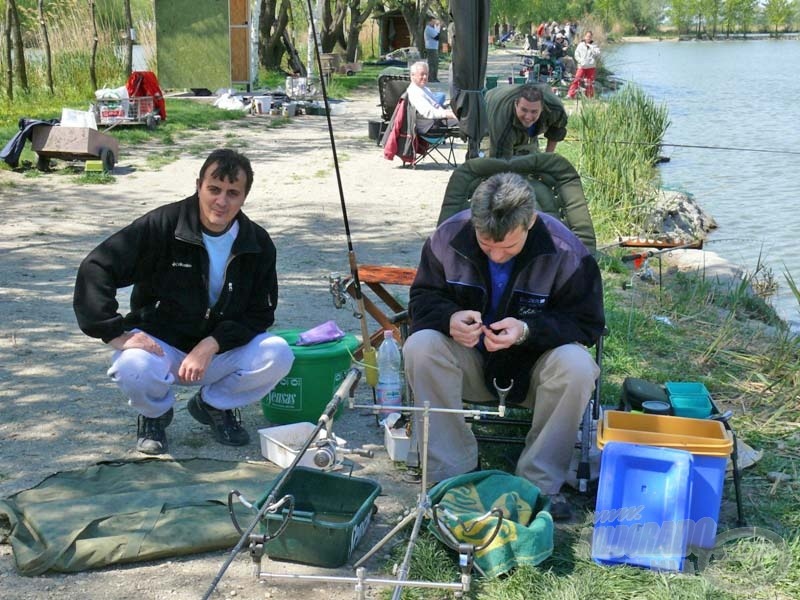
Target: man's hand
(502, 334)
(193, 368)
(465, 327)
(139, 339)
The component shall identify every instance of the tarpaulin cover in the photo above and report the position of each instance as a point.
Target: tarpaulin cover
(128, 512)
(526, 533)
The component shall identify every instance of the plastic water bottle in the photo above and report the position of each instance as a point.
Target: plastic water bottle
(389, 385)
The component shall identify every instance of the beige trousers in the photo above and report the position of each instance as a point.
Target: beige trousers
(440, 370)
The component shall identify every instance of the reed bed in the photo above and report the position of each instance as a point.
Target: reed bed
(620, 143)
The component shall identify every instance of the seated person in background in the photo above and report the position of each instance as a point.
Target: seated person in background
(503, 292)
(429, 105)
(519, 114)
(204, 294)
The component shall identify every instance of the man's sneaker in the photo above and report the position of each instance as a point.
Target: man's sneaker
(151, 434)
(560, 508)
(226, 425)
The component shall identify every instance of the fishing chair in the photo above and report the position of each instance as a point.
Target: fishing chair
(555, 181)
(438, 145)
(392, 84)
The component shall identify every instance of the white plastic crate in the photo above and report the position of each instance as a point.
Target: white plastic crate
(282, 443)
(397, 442)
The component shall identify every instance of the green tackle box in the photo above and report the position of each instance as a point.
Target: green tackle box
(331, 515)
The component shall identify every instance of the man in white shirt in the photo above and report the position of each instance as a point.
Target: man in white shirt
(428, 104)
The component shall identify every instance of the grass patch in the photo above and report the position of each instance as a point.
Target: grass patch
(95, 178)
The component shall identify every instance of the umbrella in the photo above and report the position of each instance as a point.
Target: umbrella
(470, 48)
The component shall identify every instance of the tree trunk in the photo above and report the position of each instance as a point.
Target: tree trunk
(19, 49)
(9, 62)
(128, 39)
(272, 23)
(357, 19)
(93, 60)
(48, 58)
(332, 26)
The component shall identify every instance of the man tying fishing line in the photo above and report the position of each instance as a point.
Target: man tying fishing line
(204, 293)
(505, 297)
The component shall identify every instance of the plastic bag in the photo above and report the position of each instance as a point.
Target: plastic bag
(327, 332)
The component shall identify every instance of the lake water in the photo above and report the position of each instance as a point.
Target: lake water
(736, 94)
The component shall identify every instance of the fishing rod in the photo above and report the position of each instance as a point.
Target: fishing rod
(369, 356)
(697, 146)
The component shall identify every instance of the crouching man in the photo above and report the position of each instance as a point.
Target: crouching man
(505, 293)
(204, 294)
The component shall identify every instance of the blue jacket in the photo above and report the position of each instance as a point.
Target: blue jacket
(555, 288)
(162, 255)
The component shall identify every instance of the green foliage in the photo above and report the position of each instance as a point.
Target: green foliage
(778, 14)
(620, 142)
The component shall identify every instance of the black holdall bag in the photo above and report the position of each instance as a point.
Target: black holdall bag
(635, 391)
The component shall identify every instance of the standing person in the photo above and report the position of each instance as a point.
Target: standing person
(204, 294)
(505, 294)
(519, 114)
(432, 30)
(586, 55)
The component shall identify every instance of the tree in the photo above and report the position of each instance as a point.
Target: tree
(93, 60)
(47, 54)
(8, 59)
(20, 68)
(272, 24)
(357, 18)
(778, 13)
(128, 38)
(643, 15)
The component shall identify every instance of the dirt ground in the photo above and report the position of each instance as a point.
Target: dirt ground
(59, 410)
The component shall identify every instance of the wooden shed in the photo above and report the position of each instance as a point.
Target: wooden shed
(209, 44)
(393, 31)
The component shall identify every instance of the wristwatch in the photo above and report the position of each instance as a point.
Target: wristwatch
(526, 333)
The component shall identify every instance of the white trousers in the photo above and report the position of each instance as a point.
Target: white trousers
(234, 378)
(445, 373)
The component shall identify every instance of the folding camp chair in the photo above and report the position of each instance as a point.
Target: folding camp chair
(403, 139)
(392, 84)
(439, 145)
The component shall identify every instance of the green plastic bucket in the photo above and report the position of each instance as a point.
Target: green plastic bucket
(316, 373)
(491, 81)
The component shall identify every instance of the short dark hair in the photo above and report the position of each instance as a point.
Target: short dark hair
(229, 163)
(531, 93)
(501, 204)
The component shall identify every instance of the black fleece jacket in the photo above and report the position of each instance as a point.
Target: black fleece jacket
(555, 287)
(162, 255)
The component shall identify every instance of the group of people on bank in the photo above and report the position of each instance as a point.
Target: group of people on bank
(502, 291)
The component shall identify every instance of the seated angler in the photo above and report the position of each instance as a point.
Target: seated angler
(429, 105)
(204, 294)
(505, 293)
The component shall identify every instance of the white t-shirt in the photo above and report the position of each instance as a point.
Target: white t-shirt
(219, 250)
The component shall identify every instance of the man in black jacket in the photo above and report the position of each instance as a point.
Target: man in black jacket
(204, 294)
(505, 294)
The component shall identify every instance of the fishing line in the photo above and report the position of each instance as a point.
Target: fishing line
(368, 352)
(699, 146)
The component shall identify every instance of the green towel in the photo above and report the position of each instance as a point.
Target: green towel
(128, 511)
(526, 535)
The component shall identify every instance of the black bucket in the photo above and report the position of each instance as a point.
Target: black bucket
(375, 129)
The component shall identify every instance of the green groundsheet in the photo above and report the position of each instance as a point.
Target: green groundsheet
(127, 512)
